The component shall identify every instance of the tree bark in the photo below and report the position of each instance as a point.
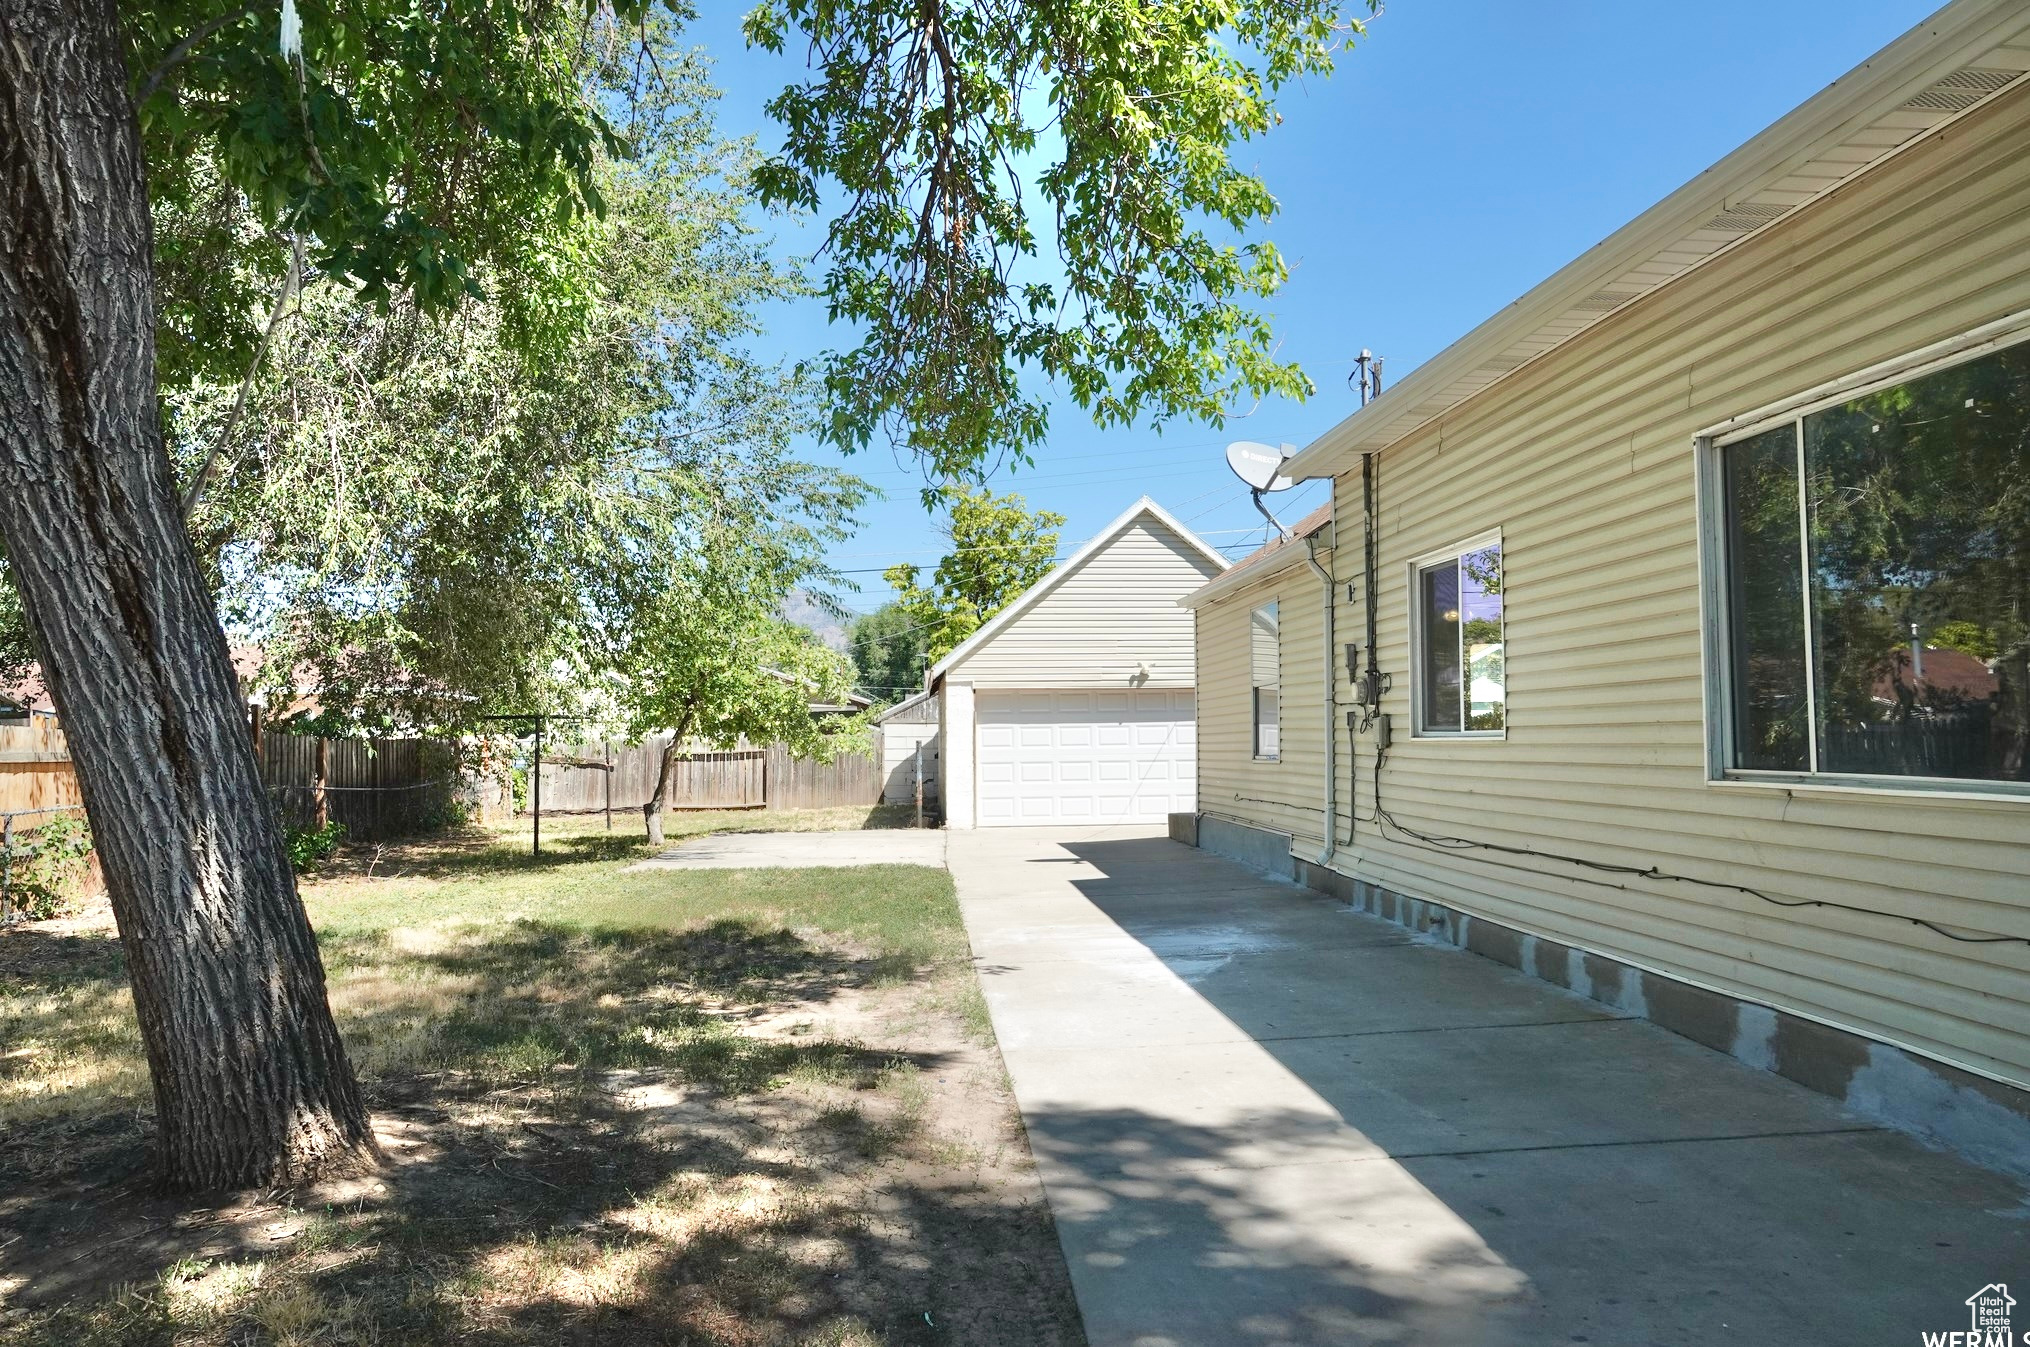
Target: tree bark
(252, 1085)
(659, 799)
(652, 812)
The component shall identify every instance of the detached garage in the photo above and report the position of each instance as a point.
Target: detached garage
(1075, 703)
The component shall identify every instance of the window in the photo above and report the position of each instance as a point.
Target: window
(1461, 676)
(1875, 615)
(1265, 659)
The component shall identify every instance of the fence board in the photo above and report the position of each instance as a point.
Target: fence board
(574, 779)
(377, 788)
(35, 769)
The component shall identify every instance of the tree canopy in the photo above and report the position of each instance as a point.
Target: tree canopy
(889, 653)
(1040, 187)
(435, 520)
(999, 548)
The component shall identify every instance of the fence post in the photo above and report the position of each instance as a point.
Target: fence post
(919, 783)
(606, 747)
(6, 864)
(320, 816)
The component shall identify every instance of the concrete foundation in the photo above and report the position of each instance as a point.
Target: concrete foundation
(1982, 1120)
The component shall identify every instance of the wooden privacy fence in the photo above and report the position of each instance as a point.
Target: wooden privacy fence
(35, 770)
(576, 778)
(377, 788)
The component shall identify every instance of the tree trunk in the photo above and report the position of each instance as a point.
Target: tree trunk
(252, 1085)
(652, 812)
(658, 800)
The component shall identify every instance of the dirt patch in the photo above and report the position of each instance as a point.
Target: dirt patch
(823, 1155)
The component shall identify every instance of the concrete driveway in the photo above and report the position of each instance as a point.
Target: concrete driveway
(806, 850)
(1264, 1118)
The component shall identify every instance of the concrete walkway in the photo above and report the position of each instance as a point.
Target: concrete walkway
(1263, 1118)
(797, 851)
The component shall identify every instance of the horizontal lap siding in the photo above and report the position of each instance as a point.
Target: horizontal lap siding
(1287, 794)
(1584, 462)
(1116, 611)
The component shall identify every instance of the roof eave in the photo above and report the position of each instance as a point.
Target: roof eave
(1878, 87)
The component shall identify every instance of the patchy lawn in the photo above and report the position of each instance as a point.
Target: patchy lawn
(673, 1107)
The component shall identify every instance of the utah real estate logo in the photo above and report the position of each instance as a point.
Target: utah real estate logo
(1989, 1308)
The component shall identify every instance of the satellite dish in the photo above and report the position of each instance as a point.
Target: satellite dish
(1260, 465)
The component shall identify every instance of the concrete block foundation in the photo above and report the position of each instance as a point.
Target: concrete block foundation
(1983, 1120)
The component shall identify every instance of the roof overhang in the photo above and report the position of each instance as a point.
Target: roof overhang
(1966, 54)
(906, 704)
(1271, 561)
(1033, 595)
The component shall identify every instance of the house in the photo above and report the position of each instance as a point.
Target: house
(821, 709)
(909, 750)
(1561, 677)
(1074, 702)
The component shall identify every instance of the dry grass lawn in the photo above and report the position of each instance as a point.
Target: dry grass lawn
(674, 1107)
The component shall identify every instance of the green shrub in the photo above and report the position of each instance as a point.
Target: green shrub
(46, 866)
(311, 847)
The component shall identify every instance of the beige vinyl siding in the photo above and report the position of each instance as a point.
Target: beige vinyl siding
(1114, 612)
(1584, 461)
(1286, 794)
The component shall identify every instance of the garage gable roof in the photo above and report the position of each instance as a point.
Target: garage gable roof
(1965, 55)
(1033, 595)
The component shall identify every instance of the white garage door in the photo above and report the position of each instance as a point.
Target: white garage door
(1085, 756)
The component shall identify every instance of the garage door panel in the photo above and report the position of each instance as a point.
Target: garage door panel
(1096, 755)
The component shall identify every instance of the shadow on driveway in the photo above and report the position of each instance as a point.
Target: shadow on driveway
(1265, 1118)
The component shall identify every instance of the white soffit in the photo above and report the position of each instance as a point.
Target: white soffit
(1962, 56)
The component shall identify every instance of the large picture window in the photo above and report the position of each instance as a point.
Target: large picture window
(1461, 664)
(1265, 679)
(1877, 582)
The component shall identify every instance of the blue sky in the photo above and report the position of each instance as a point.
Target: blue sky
(1461, 153)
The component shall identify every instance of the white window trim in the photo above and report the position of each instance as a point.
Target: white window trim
(1491, 538)
(1716, 624)
(1255, 753)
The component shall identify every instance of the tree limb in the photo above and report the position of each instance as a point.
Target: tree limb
(181, 50)
(290, 284)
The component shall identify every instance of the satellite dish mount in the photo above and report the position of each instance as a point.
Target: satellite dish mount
(1261, 467)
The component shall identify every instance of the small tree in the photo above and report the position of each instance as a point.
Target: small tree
(713, 663)
(999, 549)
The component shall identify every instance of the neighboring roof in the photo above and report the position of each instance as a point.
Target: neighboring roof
(1959, 58)
(1271, 558)
(28, 694)
(1034, 594)
(854, 701)
(1950, 677)
(903, 710)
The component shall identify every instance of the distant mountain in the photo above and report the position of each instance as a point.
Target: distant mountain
(803, 608)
